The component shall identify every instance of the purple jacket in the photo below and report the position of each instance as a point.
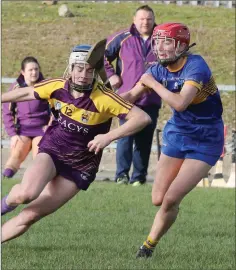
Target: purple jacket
(133, 57)
(25, 118)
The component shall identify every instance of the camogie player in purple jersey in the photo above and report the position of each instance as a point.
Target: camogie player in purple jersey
(193, 138)
(71, 149)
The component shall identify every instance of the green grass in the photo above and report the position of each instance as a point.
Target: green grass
(103, 227)
(28, 27)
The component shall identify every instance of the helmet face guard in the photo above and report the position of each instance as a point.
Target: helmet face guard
(78, 58)
(177, 33)
(167, 61)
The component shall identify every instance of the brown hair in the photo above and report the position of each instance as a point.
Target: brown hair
(146, 8)
(29, 59)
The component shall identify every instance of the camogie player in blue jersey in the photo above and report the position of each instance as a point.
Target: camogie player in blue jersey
(193, 138)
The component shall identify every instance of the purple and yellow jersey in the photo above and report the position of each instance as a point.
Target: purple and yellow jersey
(79, 120)
(206, 106)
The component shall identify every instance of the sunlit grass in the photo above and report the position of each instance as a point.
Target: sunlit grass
(30, 28)
(103, 227)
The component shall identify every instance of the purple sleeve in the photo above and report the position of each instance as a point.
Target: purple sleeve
(112, 52)
(8, 112)
(108, 58)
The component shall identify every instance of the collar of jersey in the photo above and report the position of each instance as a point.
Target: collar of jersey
(180, 65)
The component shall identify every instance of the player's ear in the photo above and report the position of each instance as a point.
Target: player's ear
(182, 47)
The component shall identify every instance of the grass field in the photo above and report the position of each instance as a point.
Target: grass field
(103, 227)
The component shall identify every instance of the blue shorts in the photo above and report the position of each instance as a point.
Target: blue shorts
(194, 141)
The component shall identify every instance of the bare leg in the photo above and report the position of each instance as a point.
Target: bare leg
(35, 178)
(35, 143)
(55, 194)
(167, 170)
(190, 174)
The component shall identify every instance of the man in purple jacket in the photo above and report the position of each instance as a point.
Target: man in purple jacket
(131, 48)
(25, 122)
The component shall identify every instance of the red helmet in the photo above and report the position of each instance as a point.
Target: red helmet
(177, 31)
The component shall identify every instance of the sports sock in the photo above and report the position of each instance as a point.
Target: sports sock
(8, 173)
(149, 243)
(5, 208)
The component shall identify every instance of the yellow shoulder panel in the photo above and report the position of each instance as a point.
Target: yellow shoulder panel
(108, 101)
(45, 88)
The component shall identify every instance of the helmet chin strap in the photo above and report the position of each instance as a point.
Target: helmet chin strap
(173, 60)
(81, 88)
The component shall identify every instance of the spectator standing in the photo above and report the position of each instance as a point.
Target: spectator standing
(131, 48)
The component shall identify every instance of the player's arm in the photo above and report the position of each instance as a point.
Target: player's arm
(135, 93)
(19, 94)
(136, 120)
(178, 101)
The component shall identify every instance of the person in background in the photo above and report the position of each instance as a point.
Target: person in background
(25, 122)
(193, 137)
(131, 48)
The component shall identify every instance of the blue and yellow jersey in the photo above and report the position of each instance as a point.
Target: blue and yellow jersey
(79, 119)
(206, 106)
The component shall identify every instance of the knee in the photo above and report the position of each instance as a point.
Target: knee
(25, 196)
(157, 199)
(170, 203)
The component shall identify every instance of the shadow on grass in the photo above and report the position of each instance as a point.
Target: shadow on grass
(31, 248)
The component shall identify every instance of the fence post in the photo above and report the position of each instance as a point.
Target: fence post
(229, 4)
(179, 3)
(216, 3)
(225, 134)
(193, 3)
(158, 143)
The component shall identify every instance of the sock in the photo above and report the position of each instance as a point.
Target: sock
(8, 173)
(149, 243)
(6, 208)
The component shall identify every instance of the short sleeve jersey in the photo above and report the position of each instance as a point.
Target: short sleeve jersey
(79, 119)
